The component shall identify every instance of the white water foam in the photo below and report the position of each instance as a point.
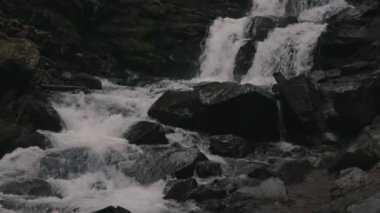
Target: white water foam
(286, 50)
(227, 36)
(290, 50)
(95, 122)
(225, 39)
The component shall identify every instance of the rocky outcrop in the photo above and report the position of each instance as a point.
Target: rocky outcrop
(103, 36)
(352, 35)
(221, 108)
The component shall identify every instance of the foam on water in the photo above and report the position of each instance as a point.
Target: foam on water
(287, 50)
(227, 36)
(290, 50)
(95, 122)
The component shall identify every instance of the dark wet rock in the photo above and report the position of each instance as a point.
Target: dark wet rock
(205, 169)
(180, 191)
(146, 133)
(18, 59)
(230, 146)
(349, 180)
(84, 79)
(257, 31)
(262, 173)
(351, 35)
(363, 153)
(353, 103)
(158, 163)
(302, 105)
(221, 108)
(42, 116)
(300, 94)
(66, 164)
(13, 137)
(292, 171)
(180, 108)
(113, 209)
(36, 187)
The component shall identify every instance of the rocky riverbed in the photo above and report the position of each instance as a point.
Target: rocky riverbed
(162, 106)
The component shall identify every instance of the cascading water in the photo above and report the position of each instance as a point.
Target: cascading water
(288, 50)
(83, 166)
(226, 37)
(80, 166)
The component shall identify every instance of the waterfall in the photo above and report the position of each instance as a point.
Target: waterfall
(226, 36)
(288, 50)
(218, 59)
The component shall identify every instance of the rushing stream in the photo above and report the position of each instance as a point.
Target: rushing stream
(81, 164)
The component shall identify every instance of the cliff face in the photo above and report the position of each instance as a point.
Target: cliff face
(102, 36)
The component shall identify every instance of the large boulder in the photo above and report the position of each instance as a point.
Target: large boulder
(221, 108)
(146, 133)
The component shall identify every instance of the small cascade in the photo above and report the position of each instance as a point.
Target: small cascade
(287, 49)
(227, 36)
(281, 121)
(290, 50)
